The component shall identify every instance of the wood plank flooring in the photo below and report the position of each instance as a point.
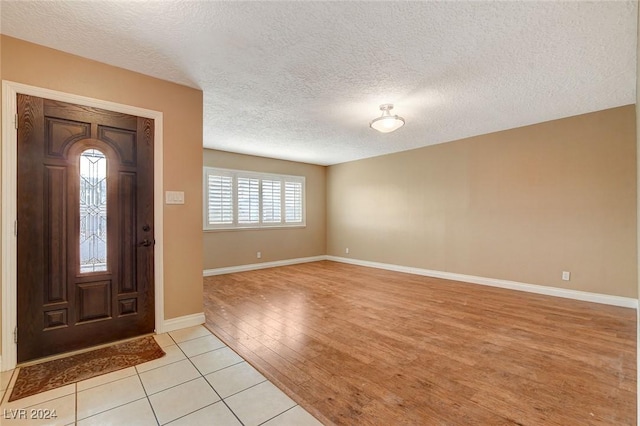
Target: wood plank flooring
(357, 345)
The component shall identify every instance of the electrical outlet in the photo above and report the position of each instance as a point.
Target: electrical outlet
(346, 250)
(566, 275)
(259, 255)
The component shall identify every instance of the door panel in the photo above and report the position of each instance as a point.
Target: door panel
(62, 307)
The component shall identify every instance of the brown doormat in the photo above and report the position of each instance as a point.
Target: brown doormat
(60, 372)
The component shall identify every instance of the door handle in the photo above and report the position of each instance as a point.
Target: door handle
(146, 243)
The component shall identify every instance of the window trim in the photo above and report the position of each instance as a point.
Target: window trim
(235, 225)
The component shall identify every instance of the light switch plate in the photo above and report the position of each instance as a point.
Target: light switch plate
(174, 197)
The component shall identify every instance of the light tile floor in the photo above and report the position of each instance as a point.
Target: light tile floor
(200, 381)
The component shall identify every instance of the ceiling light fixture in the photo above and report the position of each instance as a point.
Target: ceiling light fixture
(387, 123)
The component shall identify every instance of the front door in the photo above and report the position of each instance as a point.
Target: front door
(85, 227)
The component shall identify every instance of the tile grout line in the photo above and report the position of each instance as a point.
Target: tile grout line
(178, 346)
(227, 405)
(155, 368)
(77, 392)
(142, 383)
(250, 387)
(188, 340)
(201, 376)
(6, 391)
(277, 415)
(266, 380)
(112, 408)
(210, 385)
(4, 399)
(190, 413)
(136, 372)
(46, 400)
(173, 386)
(75, 417)
(146, 396)
(219, 369)
(110, 381)
(232, 365)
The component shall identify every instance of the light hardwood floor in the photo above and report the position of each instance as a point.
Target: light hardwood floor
(357, 345)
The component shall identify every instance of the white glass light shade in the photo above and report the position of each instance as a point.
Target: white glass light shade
(387, 123)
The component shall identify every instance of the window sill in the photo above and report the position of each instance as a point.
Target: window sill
(255, 228)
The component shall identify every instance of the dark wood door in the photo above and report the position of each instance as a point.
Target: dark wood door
(85, 227)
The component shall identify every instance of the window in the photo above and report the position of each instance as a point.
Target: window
(248, 200)
(220, 200)
(241, 199)
(93, 211)
(271, 201)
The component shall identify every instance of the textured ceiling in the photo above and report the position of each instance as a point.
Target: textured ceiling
(302, 80)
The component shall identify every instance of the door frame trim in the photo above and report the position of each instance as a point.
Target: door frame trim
(8, 250)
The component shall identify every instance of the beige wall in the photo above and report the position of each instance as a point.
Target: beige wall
(239, 247)
(522, 205)
(638, 171)
(182, 108)
(638, 198)
(1, 38)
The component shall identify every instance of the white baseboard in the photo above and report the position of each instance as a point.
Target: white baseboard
(264, 265)
(626, 302)
(183, 322)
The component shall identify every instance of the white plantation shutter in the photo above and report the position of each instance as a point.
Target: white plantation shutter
(293, 201)
(220, 199)
(271, 201)
(235, 199)
(248, 200)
